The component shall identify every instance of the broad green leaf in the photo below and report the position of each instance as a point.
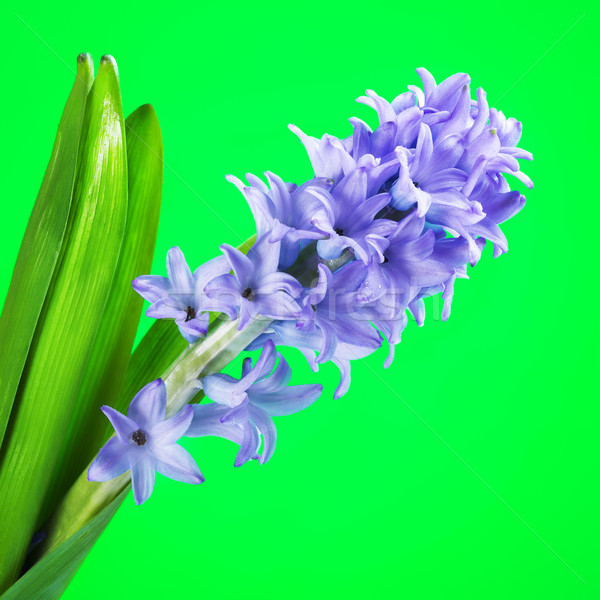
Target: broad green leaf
(41, 243)
(68, 324)
(49, 578)
(106, 367)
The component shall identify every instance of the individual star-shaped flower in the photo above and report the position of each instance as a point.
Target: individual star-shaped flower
(181, 296)
(256, 286)
(241, 410)
(145, 443)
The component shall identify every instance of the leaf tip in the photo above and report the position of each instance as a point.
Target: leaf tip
(107, 59)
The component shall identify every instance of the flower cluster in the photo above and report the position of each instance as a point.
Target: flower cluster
(392, 215)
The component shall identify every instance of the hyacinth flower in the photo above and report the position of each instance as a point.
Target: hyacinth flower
(393, 214)
(242, 408)
(331, 324)
(450, 156)
(283, 211)
(145, 442)
(256, 287)
(180, 295)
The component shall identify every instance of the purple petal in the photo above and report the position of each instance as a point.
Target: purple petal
(267, 428)
(224, 389)
(210, 270)
(445, 95)
(264, 365)
(287, 401)
(123, 426)
(151, 287)
(353, 187)
(249, 446)
(149, 405)
(240, 263)
(264, 257)
(177, 463)
(279, 281)
(193, 329)
(180, 275)
(169, 431)
(423, 152)
(384, 109)
(429, 83)
(166, 308)
(344, 367)
(207, 422)
(248, 312)
(278, 379)
(331, 248)
(278, 305)
(360, 137)
(112, 461)
(504, 206)
(225, 291)
(142, 477)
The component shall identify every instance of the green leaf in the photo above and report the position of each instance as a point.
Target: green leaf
(49, 578)
(68, 324)
(41, 243)
(106, 367)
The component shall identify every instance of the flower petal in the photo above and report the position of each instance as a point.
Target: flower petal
(112, 461)
(240, 263)
(264, 365)
(249, 446)
(223, 389)
(265, 425)
(177, 463)
(151, 287)
(206, 422)
(167, 307)
(280, 378)
(142, 477)
(180, 275)
(169, 431)
(287, 400)
(124, 426)
(149, 405)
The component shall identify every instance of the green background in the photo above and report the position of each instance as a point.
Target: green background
(469, 468)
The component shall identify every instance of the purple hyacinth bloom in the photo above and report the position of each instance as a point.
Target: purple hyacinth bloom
(418, 263)
(242, 409)
(284, 211)
(347, 215)
(409, 264)
(440, 151)
(256, 287)
(332, 324)
(180, 295)
(145, 443)
(432, 183)
(333, 159)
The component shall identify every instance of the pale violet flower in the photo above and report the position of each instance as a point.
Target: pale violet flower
(256, 287)
(145, 442)
(180, 295)
(241, 410)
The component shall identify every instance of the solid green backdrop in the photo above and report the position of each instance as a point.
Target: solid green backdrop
(469, 468)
